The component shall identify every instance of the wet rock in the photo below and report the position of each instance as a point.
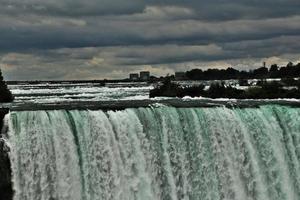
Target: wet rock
(6, 192)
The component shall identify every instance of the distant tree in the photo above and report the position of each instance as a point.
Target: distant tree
(167, 88)
(274, 72)
(243, 75)
(211, 74)
(290, 64)
(219, 90)
(195, 74)
(1, 77)
(289, 71)
(171, 89)
(274, 68)
(5, 94)
(283, 72)
(261, 72)
(232, 73)
(297, 70)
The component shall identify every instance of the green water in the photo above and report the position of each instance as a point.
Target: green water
(156, 153)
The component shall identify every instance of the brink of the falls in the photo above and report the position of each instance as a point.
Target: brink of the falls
(156, 153)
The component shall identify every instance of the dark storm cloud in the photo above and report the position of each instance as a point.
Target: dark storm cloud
(221, 10)
(59, 33)
(110, 38)
(71, 7)
(208, 10)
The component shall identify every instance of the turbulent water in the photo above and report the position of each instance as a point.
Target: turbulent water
(70, 92)
(156, 153)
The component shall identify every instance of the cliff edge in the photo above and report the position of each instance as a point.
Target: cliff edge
(6, 191)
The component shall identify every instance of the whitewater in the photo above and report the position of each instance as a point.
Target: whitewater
(157, 152)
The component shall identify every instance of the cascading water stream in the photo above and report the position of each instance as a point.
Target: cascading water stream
(156, 153)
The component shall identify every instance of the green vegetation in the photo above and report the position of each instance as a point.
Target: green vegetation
(169, 89)
(5, 94)
(287, 87)
(288, 71)
(265, 90)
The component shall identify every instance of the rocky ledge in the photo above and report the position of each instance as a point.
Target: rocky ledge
(6, 192)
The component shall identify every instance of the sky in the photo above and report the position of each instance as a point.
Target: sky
(97, 39)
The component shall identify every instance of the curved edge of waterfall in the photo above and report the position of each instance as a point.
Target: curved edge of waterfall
(160, 152)
(6, 191)
(123, 104)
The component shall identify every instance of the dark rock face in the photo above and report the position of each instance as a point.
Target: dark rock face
(5, 94)
(6, 192)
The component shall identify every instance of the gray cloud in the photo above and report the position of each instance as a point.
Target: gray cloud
(208, 10)
(60, 39)
(71, 7)
(47, 33)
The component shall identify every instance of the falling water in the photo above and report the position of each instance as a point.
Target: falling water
(156, 153)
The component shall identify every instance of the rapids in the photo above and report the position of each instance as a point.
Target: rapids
(156, 153)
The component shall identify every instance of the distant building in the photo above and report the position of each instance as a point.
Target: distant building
(180, 76)
(144, 75)
(134, 77)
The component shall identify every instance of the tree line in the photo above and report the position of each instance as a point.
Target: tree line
(265, 90)
(289, 71)
(5, 94)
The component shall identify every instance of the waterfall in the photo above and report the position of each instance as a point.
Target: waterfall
(156, 153)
